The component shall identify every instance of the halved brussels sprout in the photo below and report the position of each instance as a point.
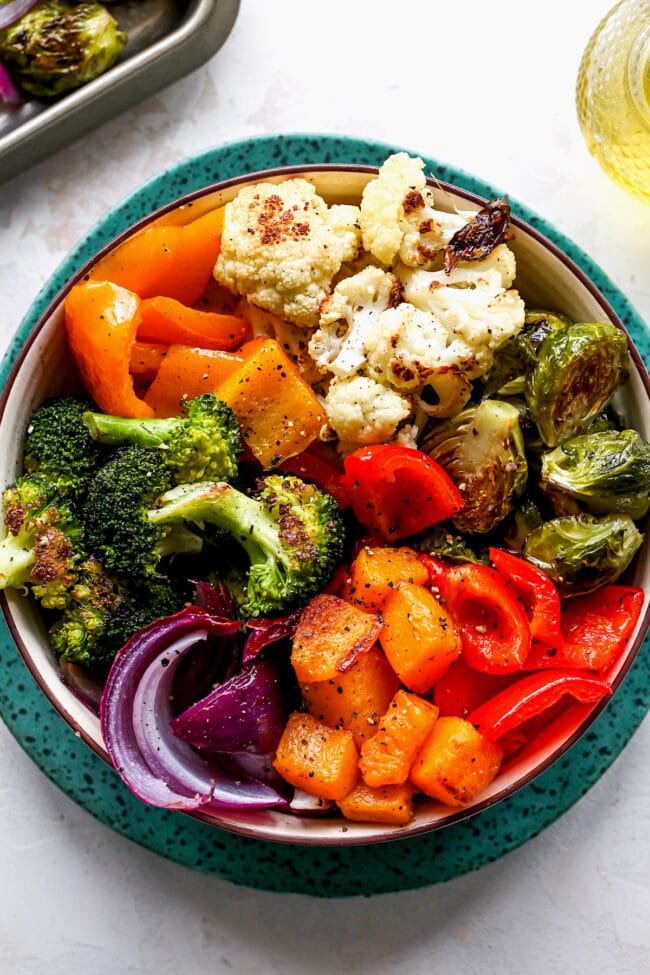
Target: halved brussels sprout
(525, 519)
(482, 450)
(578, 370)
(57, 46)
(516, 357)
(608, 471)
(442, 541)
(581, 553)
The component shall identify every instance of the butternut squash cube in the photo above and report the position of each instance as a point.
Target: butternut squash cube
(377, 571)
(391, 804)
(419, 638)
(356, 699)
(320, 760)
(331, 634)
(456, 763)
(386, 758)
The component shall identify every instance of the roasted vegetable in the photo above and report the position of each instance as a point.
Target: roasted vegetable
(57, 46)
(44, 545)
(59, 447)
(578, 370)
(291, 532)
(581, 553)
(516, 357)
(116, 511)
(607, 471)
(203, 444)
(482, 450)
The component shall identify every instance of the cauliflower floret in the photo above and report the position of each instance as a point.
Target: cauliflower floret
(362, 411)
(497, 270)
(348, 316)
(399, 218)
(482, 315)
(409, 350)
(281, 246)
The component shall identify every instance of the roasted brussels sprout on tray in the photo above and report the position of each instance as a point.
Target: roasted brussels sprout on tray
(54, 46)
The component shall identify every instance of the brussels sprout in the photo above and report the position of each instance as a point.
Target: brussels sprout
(57, 46)
(525, 519)
(578, 370)
(443, 542)
(516, 357)
(607, 471)
(581, 553)
(482, 450)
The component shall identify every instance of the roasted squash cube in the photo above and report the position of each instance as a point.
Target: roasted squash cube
(391, 804)
(330, 636)
(377, 571)
(456, 763)
(419, 638)
(356, 699)
(323, 761)
(386, 758)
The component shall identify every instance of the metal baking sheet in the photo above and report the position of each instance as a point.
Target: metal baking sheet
(167, 39)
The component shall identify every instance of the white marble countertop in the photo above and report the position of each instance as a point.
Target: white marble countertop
(488, 88)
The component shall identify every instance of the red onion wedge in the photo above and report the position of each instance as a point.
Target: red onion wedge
(13, 10)
(247, 713)
(136, 715)
(265, 631)
(10, 94)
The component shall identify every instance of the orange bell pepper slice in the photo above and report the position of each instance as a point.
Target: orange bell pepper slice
(176, 262)
(101, 321)
(186, 372)
(146, 359)
(169, 321)
(279, 413)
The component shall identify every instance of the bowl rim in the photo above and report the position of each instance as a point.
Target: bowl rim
(281, 172)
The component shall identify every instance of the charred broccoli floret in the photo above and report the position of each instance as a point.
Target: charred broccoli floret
(202, 445)
(103, 616)
(291, 532)
(59, 447)
(44, 543)
(118, 529)
(92, 600)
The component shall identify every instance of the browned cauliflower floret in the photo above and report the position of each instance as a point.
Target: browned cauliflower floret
(399, 220)
(282, 245)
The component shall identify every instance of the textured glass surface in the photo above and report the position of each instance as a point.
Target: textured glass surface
(612, 95)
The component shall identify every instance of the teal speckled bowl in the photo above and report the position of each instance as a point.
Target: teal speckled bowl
(551, 273)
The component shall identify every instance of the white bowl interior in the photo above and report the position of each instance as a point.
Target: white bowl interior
(546, 280)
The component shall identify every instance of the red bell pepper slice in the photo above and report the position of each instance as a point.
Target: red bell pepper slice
(398, 491)
(596, 629)
(309, 466)
(535, 591)
(461, 689)
(531, 695)
(492, 621)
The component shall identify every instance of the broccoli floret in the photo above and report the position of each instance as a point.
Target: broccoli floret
(118, 529)
(93, 600)
(291, 532)
(103, 616)
(59, 447)
(44, 543)
(203, 445)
